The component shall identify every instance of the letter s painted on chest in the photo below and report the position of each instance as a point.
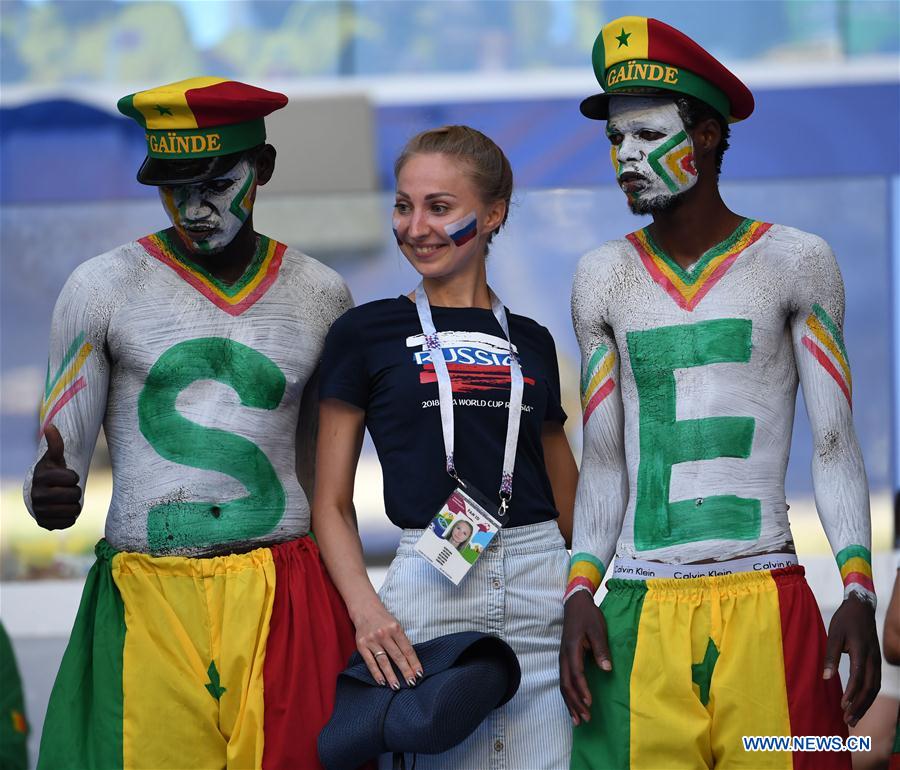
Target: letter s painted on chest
(260, 384)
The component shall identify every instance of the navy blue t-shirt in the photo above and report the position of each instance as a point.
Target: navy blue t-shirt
(375, 358)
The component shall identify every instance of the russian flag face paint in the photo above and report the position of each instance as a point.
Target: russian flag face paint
(463, 230)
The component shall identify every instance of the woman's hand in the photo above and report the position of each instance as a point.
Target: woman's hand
(380, 639)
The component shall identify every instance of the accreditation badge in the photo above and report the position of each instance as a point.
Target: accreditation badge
(459, 534)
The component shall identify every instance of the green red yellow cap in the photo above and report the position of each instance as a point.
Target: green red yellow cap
(634, 53)
(201, 117)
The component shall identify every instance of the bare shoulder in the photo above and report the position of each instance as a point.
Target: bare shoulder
(797, 251)
(303, 269)
(109, 277)
(598, 274)
(601, 262)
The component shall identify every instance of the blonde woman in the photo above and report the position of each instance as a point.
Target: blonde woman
(438, 429)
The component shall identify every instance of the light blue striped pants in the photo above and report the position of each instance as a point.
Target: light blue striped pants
(514, 591)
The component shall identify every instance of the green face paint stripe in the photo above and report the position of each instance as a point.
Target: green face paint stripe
(595, 359)
(702, 672)
(659, 152)
(260, 384)
(690, 278)
(851, 552)
(608, 734)
(828, 322)
(97, 636)
(664, 441)
(235, 207)
(582, 556)
(229, 290)
(67, 359)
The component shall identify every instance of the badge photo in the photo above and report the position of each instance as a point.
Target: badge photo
(457, 535)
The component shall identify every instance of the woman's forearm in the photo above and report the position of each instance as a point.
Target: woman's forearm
(342, 552)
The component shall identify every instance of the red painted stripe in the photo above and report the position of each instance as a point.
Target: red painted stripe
(465, 235)
(814, 704)
(254, 296)
(658, 275)
(580, 581)
(822, 357)
(713, 279)
(67, 395)
(597, 398)
(858, 577)
(151, 247)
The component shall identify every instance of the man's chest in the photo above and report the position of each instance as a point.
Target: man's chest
(170, 336)
(739, 317)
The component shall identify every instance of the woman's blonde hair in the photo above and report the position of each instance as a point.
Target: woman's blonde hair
(486, 165)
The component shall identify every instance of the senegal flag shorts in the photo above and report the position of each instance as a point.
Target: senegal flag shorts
(698, 664)
(221, 662)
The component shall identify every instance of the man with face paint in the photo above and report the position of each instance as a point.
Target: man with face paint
(209, 634)
(695, 333)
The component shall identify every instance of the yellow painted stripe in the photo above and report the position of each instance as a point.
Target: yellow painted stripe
(260, 274)
(231, 300)
(172, 98)
(636, 41)
(67, 378)
(673, 161)
(586, 570)
(856, 564)
(824, 337)
(689, 290)
(604, 370)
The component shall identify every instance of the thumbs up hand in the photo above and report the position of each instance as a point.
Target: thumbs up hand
(55, 493)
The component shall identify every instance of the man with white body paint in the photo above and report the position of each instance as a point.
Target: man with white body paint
(195, 348)
(695, 333)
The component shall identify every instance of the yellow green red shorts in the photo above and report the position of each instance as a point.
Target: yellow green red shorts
(699, 663)
(229, 661)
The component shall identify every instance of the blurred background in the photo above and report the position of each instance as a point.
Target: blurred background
(820, 153)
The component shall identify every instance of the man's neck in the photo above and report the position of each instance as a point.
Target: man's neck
(229, 264)
(692, 228)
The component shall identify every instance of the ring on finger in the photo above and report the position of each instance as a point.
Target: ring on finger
(380, 652)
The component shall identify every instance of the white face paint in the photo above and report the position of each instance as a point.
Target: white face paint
(208, 215)
(652, 153)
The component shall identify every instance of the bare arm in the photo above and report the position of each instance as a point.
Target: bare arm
(73, 404)
(839, 477)
(563, 474)
(602, 492)
(341, 428)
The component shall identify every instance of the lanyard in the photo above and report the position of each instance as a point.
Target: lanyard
(445, 392)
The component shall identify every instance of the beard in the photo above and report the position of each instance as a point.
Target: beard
(656, 205)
